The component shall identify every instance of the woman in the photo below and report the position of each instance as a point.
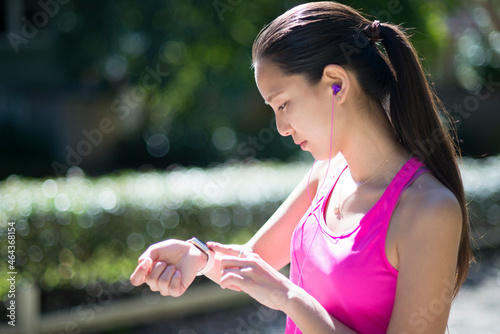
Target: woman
(377, 233)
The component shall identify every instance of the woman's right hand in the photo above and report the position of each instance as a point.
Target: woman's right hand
(169, 267)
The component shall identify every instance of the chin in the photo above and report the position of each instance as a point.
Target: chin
(323, 156)
(320, 157)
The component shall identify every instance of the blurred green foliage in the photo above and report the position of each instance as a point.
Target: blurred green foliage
(203, 101)
(76, 231)
(205, 46)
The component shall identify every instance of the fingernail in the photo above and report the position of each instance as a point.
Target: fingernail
(145, 264)
(148, 265)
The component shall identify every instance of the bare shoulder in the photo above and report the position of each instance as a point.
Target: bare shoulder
(427, 209)
(428, 221)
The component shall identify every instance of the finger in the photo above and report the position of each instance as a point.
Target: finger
(143, 268)
(231, 279)
(233, 250)
(153, 276)
(223, 283)
(232, 287)
(235, 262)
(138, 276)
(164, 280)
(176, 288)
(152, 253)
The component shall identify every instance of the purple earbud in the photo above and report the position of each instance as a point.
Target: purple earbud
(335, 89)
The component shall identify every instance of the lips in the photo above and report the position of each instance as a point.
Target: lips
(302, 144)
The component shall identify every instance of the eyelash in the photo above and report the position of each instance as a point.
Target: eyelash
(282, 106)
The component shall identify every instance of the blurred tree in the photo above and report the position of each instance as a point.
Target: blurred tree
(179, 75)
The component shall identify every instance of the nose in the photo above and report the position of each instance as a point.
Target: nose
(284, 128)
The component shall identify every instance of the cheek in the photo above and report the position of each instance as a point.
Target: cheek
(310, 115)
(319, 118)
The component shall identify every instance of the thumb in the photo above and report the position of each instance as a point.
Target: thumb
(141, 271)
(146, 263)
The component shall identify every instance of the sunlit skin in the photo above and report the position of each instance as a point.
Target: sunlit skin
(361, 131)
(426, 222)
(301, 111)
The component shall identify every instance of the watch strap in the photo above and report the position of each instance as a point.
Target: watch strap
(210, 254)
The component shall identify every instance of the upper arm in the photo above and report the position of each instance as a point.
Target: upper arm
(272, 241)
(427, 265)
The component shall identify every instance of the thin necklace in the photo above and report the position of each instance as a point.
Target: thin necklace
(338, 207)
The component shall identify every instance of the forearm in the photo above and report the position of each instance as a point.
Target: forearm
(309, 315)
(272, 241)
(214, 273)
(254, 276)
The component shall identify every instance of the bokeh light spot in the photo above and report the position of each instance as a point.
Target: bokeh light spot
(22, 228)
(62, 202)
(107, 199)
(35, 253)
(66, 256)
(85, 221)
(155, 229)
(242, 217)
(115, 68)
(224, 138)
(134, 43)
(135, 241)
(158, 145)
(65, 271)
(8, 202)
(47, 238)
(481, 16)
(170, 219)
(49, 188)
(173, 52)
(220, 217)
(494, 39)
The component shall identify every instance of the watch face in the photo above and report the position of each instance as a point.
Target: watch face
(198, 243)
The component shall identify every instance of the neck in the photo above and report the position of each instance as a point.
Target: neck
(371, 144)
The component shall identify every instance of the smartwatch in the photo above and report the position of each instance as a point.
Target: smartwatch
(210, 253)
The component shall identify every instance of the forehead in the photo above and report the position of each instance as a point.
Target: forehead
(267, 73)
(271, 80)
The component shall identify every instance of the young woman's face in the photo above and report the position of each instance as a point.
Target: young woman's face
(302, 111)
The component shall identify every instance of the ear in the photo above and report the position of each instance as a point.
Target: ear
(335, 74)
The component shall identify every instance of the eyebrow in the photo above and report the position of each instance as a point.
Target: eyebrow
(272, 96)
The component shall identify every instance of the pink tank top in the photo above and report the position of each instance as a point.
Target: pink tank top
(349, 273)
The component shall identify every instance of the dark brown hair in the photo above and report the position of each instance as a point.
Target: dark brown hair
(307, 38)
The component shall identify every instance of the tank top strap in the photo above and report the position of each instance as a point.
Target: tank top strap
(326, 188)
(322, 193)
(410, 171)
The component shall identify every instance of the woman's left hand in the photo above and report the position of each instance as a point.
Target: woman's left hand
(246, 271)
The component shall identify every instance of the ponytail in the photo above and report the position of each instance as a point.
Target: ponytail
(307, 38)
(413, 112)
